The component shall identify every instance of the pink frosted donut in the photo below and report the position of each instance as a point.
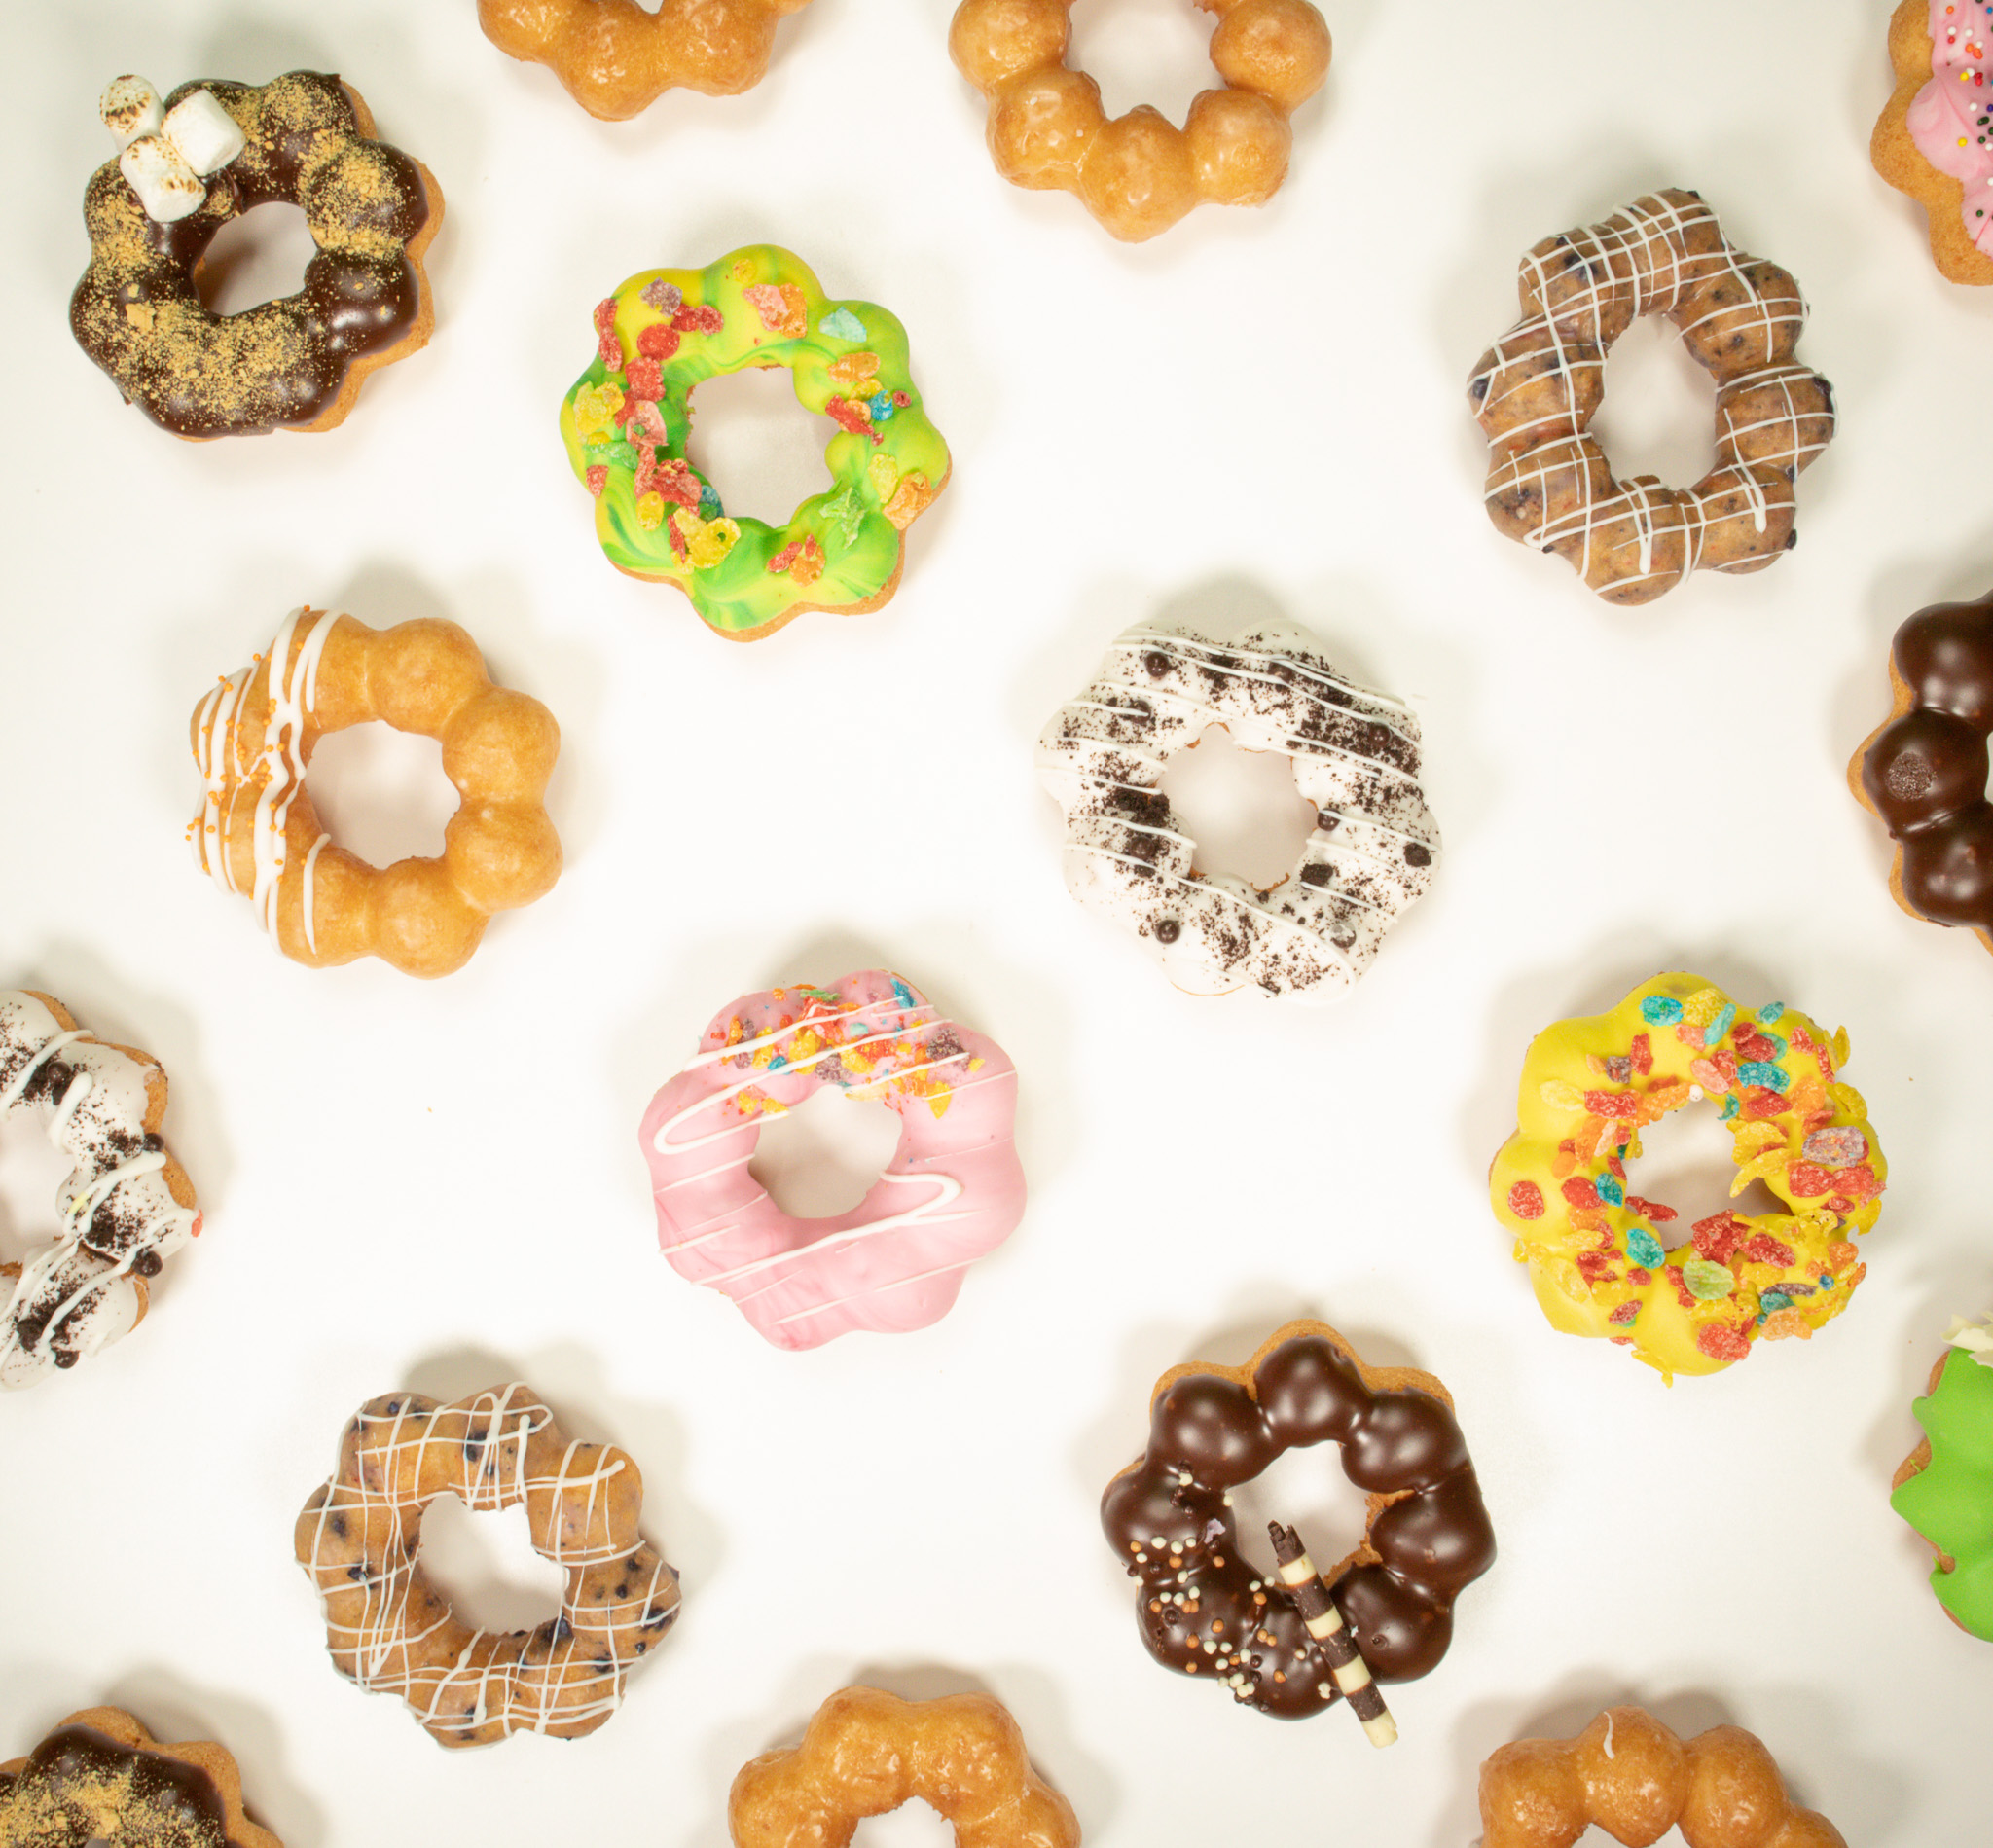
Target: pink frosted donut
(954, 1189)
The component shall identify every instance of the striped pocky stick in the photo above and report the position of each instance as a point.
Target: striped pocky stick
(1325, 1623)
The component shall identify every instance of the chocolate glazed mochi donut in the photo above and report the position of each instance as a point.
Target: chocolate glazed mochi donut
(1205, 1611)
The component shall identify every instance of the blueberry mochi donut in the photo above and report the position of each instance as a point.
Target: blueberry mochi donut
(627, 420)
(1607, 1262)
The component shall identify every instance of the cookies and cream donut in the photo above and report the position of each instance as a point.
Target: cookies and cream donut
(258, 833)
(100, 1777)
(1923, 771)
(1607, 1262)
(1933, 140)
(192, 163)
(1944, 1487)
(391, 1632)
(1535, 392)
(868, 1752)
(1630, 1775)
(126, 1207)
(1204, 1609)
(1355, 756)
(953, 1191)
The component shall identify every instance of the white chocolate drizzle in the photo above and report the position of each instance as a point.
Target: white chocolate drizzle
(1355, 756)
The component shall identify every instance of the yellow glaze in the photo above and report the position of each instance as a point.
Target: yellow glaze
(1689, 1298)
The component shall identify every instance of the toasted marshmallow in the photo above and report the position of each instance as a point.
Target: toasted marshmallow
(131, 107)
(164, 153)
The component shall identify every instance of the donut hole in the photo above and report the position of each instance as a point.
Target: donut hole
(1685, 1162)
(1155, 51)
(1304, 1489)
(915, 1824)
(382, 793)
(32, 1169)
(823, 1156)
(1659, 413)
(1239, 807)
(259, 257)
(755, 442)
(484, 1564)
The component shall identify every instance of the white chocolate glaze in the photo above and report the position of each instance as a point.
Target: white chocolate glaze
(118, 1219)
(1355, 758)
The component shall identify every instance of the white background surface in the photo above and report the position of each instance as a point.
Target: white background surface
(437, 1187)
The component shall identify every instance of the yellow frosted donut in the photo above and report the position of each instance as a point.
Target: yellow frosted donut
(1689, 1299)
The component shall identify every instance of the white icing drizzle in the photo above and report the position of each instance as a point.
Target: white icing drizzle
(115, 1209)
(290, 693)
(1580, 292)
(1355, 755)
(620, 1595)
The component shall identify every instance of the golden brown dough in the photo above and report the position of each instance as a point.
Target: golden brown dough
(1900, 160)
(1635, 1780)
(1139, 174)
(866, 1753)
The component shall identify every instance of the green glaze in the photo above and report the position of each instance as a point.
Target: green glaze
(1950, 1501)
(840, 550)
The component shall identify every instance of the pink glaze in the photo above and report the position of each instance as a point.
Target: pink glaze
(1948, 119)
(953, 1191)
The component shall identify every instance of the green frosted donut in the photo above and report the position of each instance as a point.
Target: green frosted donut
(627, 418)
(1949, 1499)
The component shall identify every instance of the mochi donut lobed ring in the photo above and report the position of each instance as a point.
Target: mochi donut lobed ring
(616, 58)
(258, 834)
(1139, 174)
(1202, 1607)
(126, 1207)
(391, 1632)
(1355, 758)
(1631, 1776)
(627, 419)
(1923, 771)
(1604, 1261)
(296, 363)
(100, 1776)
(1933, 140)
(867, 1753)
(1944, 1487)
(1535, 392)
(953, 1191)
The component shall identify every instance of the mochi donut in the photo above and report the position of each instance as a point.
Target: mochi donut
(1944, 1487)
(953, 1191)
(1604, 1261)
(100, 1776)
(127, 1206)
(867, 1753)
(1355, 758)
(1933, 140)
(391, 1632)
(1630, 1775)
(198, 158)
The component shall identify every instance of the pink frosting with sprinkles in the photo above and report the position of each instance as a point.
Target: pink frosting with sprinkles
(1951, 119)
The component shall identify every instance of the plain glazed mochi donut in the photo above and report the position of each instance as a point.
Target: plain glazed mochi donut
(1604, 1261)
(1138, 173)
(391, 1632)
(100, 1776)
(1536, 389)
(127, 1206)
(258, 834)
(1355, 758)
(867, 1753)
(1630, 1775)
(953, 1191)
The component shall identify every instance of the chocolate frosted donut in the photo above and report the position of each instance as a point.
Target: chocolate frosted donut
(1204, 1610)
(1924, 770)
(298, 361)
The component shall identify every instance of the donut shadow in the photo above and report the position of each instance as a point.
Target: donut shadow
(175, 1710)
(1864, 1798)
(1035, 1700)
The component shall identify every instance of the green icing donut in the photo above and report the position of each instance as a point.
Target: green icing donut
(625, 421)
(1950, 1501)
